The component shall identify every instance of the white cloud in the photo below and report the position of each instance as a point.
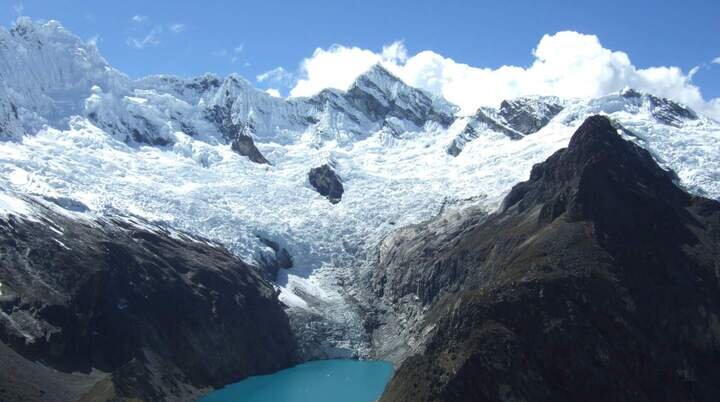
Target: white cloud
(152, 38)
(273, 92)
(239, 48)
(395, 51)
(277, 75)
(177, 28)
(338, 66)
(139, 19)
(94, 40)
(19, 9)
(716, 60)
(567, 64)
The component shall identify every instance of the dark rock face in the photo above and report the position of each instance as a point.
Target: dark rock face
(669, 112)
(221, 117)
(10, 127)
(238, 134)
(370, 95)
(327, 183)
(663, 110)
(280, 259)
(164, 316)
(244, 145)
(482, 120)
(597, 281)
(516, 118)
(529, 115)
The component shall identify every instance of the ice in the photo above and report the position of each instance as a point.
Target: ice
(11, 205)
(147, 152)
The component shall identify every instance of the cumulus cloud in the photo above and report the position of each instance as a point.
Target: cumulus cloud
(716, 60)
(567, 64)
(139, 19)
(273, 92)
(338, 66)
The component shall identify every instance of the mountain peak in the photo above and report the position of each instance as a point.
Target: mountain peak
(664, 110)
(379, 94)
(598, 171)
(22, 26)
(378, 71)
(379, 77)
(529, 114)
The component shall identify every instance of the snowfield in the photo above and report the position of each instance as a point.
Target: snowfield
(149, 149)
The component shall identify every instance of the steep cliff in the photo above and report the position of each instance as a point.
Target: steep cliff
(119, 307)
(597, 280)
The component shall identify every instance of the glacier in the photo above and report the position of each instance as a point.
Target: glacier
(157, 150)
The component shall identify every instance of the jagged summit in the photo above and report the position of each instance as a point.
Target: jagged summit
(47, 72)
(663, 110)
(515, 119)
(567, 294)
(380, 94)
(529, 114)
(379, 76)
(50, 75)
(582, 179)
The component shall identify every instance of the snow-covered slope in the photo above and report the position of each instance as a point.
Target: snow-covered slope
(158, 148)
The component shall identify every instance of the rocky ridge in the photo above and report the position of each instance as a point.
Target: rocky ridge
(121, 308)
(595, 281)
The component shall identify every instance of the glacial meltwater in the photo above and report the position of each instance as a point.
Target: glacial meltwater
(317, 381)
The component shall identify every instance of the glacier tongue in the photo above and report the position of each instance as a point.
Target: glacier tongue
(158, 148)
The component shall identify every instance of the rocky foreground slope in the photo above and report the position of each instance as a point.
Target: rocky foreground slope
(94, 309)
(596, 281)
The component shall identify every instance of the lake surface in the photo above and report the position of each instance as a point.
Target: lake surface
(317, 381)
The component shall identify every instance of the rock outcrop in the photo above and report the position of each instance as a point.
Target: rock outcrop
(663, 110)
(515, 119)
(596, 281)
(380, 96)
(280, 258)
(326, 182)
(120, 308)
(529, 114)
(244, 145)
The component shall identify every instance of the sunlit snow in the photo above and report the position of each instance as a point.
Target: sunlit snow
(78, 149)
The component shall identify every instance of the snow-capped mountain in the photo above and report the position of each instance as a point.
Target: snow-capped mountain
(160, 148)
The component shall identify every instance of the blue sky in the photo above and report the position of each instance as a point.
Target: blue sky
(189, 38)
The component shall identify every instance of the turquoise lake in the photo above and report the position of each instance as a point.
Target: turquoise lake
(317, 381)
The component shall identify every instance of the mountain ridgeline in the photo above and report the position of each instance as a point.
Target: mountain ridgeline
(596, 281)
(162, 237)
